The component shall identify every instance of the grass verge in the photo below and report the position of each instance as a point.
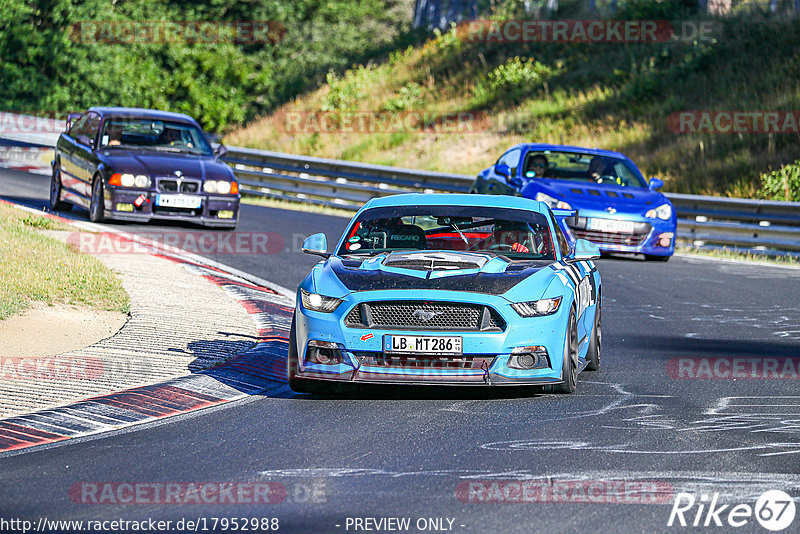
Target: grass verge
(726, 253)
(37, 267)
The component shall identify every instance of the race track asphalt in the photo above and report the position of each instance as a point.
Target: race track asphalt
(632, 434)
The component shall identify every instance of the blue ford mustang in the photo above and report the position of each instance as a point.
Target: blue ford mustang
(448, 289)
(617, 209)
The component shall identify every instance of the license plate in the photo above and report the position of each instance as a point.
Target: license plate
(179, 201)
(422, 344)
(611, 225)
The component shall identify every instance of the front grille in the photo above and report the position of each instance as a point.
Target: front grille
(416, 315)
(424, 361)
(611, 238)
(178, 186)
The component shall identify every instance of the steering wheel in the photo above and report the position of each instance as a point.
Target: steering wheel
(606, 178)
(501, 246)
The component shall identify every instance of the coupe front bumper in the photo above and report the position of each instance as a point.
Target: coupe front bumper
(485, 359)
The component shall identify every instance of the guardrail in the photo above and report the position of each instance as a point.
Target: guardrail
(702, 220)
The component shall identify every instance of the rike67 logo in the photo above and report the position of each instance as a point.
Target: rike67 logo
(774, 510)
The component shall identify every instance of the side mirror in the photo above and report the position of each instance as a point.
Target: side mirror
(584, 250)
(502, 169)
(655, 183)
(317, 245)
(84, 140)
(220, 151)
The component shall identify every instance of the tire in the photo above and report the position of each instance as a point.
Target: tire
(653, 257)
(569, 372)
(56, 204)
(97, 205)
(593, 356)
(300, 385)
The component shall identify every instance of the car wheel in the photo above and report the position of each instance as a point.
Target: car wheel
(299, 385)
(56, 204)
(593, 356)
(568, 370)
(98, 203)
(653, 257)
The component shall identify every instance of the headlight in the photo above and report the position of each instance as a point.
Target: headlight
(319, 303)
(537, 308)
(222, 187)
(664, 211)
(553, 202)
(128, 180)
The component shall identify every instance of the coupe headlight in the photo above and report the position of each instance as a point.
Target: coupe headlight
(141, 181)
(222, 187)
(537, 308)
(664, 211)
(319, 303)
(127, 180)
(554, 203)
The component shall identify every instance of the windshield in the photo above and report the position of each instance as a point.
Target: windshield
(154, 135)
(515, 234)
(597, 169)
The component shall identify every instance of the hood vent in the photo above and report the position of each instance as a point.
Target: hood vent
(438, 261)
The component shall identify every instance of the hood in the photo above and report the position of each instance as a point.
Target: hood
(585, 195)
(161, 164)
(443, 270)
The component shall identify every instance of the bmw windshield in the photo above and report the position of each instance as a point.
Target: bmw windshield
(158, 135)
(593, 168)
(515, 234)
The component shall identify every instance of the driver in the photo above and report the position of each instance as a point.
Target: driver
(597, 168)
(513, 235)
(537, 166)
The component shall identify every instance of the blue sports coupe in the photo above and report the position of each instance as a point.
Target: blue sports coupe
(617, 209)
(448, 289)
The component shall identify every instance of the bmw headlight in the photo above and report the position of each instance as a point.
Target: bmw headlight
(554, 203)
(664, 211)
(222, 187)
(537, 308)
(319, 303)
(129, 180)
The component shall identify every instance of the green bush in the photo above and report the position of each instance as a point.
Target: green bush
(774, 183)
(511, 80)
(409, 97)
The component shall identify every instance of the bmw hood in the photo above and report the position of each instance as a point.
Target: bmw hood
(586, 195)
(158, 164)
(443, 270)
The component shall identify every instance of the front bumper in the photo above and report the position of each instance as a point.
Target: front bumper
(485, 359)
(652, 236)
(212, 206)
